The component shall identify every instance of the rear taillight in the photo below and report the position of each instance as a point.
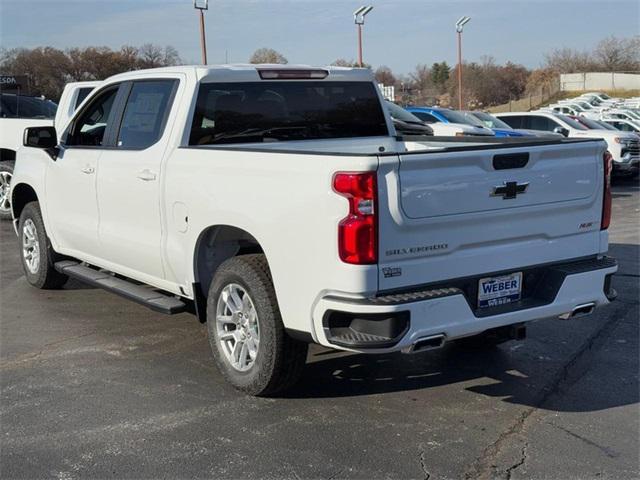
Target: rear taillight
(606, 196)
(357, 232)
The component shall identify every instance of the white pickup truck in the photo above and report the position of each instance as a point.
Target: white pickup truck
(278, 204)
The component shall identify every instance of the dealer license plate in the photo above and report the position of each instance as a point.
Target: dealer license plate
(494, 291)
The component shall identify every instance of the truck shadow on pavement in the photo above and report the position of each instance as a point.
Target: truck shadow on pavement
(624, 187)
(513, 372)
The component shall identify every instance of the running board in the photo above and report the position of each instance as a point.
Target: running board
(144, 295)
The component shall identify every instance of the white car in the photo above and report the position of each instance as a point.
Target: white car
(623, 125)
(18, 112)
(600, 98)
(572, 109)
(623, 146)
(278, 204)
(621, 114)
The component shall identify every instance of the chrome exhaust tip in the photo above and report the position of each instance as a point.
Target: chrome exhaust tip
(579, 311)
(432, 342)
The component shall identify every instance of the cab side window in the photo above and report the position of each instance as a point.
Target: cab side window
(145, 113)
(90, 127)
(514, 121)
(542, 123)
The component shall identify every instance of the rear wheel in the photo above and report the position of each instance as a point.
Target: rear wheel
(246, 333)
(36, 253)
(6, 174)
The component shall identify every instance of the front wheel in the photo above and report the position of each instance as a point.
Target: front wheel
(246, 333)
(35, 250)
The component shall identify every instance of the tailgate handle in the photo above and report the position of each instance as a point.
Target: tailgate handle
(505, 161)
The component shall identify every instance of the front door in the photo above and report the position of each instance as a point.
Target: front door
(71, 180)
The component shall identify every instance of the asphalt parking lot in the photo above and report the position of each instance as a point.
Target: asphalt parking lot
(93, 386)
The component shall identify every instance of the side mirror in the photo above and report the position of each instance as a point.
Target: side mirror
(42, 137)
(562, 131)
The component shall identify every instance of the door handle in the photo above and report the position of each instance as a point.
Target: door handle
(88, 170)
(147, 175)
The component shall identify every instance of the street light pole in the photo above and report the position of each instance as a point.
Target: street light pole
(202, 5)
(358, 17)
(459, 24)
(360, 45)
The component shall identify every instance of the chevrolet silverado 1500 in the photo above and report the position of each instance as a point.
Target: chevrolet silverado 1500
(278, 204)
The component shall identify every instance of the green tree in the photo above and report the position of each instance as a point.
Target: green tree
(440, 74)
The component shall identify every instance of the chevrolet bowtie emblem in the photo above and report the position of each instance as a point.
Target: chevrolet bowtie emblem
(509, 190)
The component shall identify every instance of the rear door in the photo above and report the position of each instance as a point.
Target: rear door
(129, 178)
(446, 215)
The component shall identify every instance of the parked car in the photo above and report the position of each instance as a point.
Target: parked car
(245, 194)
(622, 146)
(491, 121)
(434, 116)
(500, 129)
(591, 124)
(572, 109)
(601, 99)
(622, 124)
(16, 113)
(621, 114)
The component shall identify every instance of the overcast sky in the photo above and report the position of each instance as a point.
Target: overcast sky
(398, 33)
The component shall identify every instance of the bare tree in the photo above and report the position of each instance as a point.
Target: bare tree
(153, 56)
(541, 81)
(568, 60)
(423, 90)
(341, 62)
(385, 76)
(267, 55)
(49, 69)
(487, 83)
(618, 54)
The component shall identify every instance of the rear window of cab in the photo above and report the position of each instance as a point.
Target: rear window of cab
(271, 111)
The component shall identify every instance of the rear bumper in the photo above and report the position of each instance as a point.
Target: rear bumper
(407, 317)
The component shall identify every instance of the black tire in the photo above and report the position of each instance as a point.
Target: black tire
(280, 359)
(6, 172)
(44, 276)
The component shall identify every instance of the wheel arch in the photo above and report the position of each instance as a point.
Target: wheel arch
(216, 244)
(21, 194)
(7, 155)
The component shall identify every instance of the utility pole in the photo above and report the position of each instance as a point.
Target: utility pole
(459, 24)
(201, 6)
(358, 17)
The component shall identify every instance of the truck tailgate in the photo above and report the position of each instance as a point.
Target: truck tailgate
(446, 215)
